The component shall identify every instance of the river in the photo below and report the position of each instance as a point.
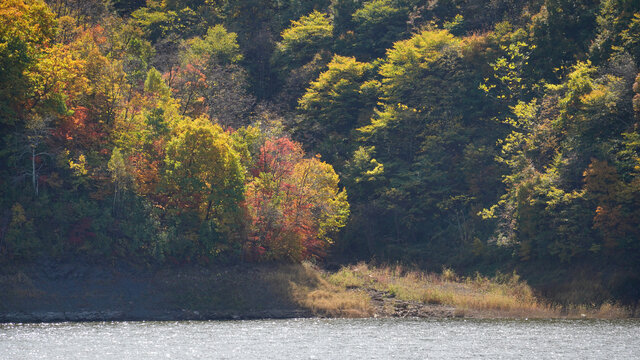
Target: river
(325, 339)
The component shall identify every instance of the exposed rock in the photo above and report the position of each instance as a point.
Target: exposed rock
(386, 305)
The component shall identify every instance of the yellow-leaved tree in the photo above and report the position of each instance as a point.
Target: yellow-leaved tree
(203, 176)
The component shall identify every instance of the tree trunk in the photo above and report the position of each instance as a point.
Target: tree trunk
(206, 217)
(34, 178)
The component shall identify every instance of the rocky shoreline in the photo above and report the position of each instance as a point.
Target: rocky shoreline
(383, 309)
(77, 291)
(82, 292)
(115, 315)
(386, 305)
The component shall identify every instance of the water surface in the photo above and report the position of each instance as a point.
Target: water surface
(324, 339)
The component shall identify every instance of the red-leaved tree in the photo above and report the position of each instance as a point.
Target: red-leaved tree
(294, 205)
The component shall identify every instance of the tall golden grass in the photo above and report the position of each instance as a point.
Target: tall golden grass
(504, 295)
(311, 290)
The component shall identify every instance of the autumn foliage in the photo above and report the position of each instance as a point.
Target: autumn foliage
(294, 204)
(225, 131)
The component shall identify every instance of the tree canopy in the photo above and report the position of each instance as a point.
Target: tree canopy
(483, 135)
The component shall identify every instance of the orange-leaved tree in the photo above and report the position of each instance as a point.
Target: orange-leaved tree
(294, 205)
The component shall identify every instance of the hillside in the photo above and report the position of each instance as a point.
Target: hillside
(486, 136)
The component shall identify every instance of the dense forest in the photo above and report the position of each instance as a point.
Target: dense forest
(500, 134)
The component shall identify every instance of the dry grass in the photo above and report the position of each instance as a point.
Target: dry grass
(346, 293)
(329, 302)
(267, 287)
(327, 299)
(604, 311)
(306, 286)
(478, 296)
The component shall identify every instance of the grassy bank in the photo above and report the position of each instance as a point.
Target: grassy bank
(300, 286)
(314, 291)
(504, 295)
(269, 291)
(51, 292)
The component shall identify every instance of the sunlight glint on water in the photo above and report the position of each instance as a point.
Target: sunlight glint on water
(324, 339)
